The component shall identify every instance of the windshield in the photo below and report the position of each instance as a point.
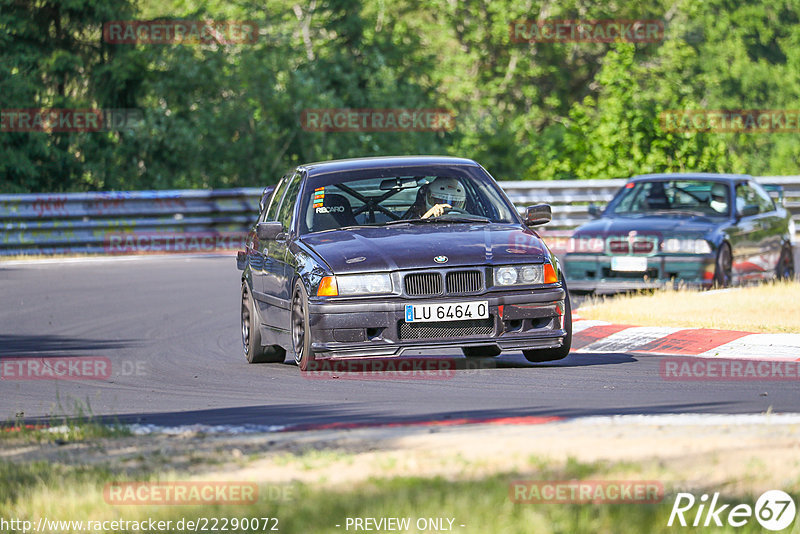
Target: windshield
(680, 197)
(402, 196)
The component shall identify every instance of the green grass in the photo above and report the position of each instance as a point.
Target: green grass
(28, 491)
(775, 308)
(82, 425)
(20, 480)
(67, 431)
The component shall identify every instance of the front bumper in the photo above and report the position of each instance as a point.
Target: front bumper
(593, 273)
(375, 327)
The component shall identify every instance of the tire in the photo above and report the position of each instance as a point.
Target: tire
(785, 268)
(723, 266)
(549, 355)
(486, 351)
(251, 334)
(301, 338)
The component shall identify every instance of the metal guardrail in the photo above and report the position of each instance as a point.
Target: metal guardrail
(96, 222)
(207, 221)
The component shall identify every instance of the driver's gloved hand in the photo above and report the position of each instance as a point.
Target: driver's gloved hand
(436, 211)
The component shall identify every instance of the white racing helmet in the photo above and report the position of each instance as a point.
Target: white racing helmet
(444, 190)
(719, 198)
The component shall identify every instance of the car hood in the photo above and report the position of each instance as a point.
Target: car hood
(661, 225)
(398, 247)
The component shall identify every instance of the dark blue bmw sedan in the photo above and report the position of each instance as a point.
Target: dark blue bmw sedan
(372, 257)
(699, 230)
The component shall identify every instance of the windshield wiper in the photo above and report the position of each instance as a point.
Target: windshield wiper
(463, 218)
(405, 221)
(460, 218)
(441, 218)
(679, 212)
(352, 226)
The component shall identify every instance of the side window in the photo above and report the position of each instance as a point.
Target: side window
(264, 203)
(275, 199)
(289, 201)
(765, 203)
(745, 196)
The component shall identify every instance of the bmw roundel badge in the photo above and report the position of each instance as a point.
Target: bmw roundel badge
(440, 259)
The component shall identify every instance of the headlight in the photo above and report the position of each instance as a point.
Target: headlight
(530, 274)
(505, 276)
(519, 275)
(686, 246)
(364, 284)
(792, 232)
(701, 246)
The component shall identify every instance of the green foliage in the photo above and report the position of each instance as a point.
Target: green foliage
(229, 115)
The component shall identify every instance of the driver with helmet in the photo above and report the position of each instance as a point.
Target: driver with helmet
(442, 194)
(719, 198)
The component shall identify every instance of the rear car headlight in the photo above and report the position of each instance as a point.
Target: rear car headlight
(686, 246)
(519, 275)
(364, 284)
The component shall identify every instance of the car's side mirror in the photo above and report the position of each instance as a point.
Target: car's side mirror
(267, 231)
(749, 210)
(538, 214)
(595, 211)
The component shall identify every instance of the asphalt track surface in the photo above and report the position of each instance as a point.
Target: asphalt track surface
(170, 326)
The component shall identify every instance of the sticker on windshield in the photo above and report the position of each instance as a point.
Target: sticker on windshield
(319, 197)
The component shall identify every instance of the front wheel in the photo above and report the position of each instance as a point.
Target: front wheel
(785, 269)
(549, 355)
(723, 266)
(251, 334)
(301, 334)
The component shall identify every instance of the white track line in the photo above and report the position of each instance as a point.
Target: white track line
(143, 430)
(760, 346)
(699, 419)
(691, 419)
(629, 339)
(583, 324)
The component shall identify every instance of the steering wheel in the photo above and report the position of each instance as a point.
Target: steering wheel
(458, 210)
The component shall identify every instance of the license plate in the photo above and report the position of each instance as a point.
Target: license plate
(629, 263)
(452, 311)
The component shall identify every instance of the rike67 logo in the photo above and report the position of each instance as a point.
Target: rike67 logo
(774, 510)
